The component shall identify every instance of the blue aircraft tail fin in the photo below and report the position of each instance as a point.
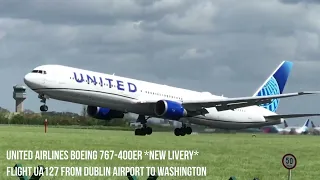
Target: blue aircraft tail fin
(275, 84)
(306, 124)
(285, 123)
(313, 124)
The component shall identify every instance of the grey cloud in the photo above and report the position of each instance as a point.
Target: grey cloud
(225, 47)
(299, 1)
(197, 18)
(90, 12)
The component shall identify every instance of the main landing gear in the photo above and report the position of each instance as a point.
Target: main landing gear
(145, 130)
(183, 130)
(44, 107)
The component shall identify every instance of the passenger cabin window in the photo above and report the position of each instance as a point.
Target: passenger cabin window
(39, 71)
(164, 95)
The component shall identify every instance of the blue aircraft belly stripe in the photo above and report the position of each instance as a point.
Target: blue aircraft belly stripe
(85, 90)
(197, 117)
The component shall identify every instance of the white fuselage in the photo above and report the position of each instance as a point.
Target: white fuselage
(296, 130)
(281, 130)
(119, 93)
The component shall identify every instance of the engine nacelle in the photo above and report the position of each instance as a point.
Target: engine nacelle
(103, 113)
(169, 109)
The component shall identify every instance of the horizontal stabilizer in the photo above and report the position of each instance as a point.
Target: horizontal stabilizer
(276, 117)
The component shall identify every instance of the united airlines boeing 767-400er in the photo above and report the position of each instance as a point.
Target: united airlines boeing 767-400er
(110, 96)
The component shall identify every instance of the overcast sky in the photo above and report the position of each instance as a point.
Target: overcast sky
(225, 47)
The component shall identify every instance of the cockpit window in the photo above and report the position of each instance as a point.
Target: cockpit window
(39, 71)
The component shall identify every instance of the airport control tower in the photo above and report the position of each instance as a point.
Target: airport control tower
(19, 94)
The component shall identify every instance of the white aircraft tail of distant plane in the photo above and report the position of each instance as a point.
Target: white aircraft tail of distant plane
(298, 130)
(111, 96)
(315, 127)
(279, 129)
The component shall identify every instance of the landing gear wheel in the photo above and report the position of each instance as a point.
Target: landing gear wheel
(182, 131)
(137, 132)
(44, 108)
(145, 130)
(177, 131)
(188, 130)
(148, 130)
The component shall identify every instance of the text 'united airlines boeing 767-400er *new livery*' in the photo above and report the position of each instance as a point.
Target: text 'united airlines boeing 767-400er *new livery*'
(110, 96)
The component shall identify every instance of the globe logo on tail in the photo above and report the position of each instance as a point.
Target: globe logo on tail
(271, 88)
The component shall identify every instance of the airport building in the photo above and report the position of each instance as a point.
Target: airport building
(19, 94)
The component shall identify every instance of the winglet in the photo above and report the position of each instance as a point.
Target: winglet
(308, 92)
(312, 124)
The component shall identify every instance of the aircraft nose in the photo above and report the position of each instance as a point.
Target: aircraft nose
(30, 80)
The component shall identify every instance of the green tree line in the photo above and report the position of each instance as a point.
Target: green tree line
(54, 118)
(64, 119)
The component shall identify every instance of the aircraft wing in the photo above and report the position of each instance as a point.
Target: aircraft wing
(278, 116)
(231, 103)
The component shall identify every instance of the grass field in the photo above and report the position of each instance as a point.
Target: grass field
(224, 155)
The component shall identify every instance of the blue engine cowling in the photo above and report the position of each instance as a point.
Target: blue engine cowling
(103, 113)
(169, 109)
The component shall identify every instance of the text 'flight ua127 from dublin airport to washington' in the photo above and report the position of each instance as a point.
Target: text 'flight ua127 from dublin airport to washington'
(110, 96)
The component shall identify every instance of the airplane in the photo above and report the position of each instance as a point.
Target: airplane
(315, 127)
(110, 96)
(298, 130)
(276, 128)
(281, 130)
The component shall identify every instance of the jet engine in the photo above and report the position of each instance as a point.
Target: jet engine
(169, 109)
(103, 113)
